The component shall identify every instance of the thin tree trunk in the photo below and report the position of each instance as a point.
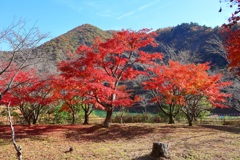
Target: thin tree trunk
(189, 120)
(86, 118)
(34, 120)
(190, 123)
(171, 119)
(73, 117)
(87, 111)
(36, 114)
(108, 118)
(17, 148)
(29, 122)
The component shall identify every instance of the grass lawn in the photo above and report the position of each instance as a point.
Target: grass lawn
(127, 141)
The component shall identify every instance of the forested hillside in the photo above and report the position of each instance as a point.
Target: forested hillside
(84, 34)
(201, 40)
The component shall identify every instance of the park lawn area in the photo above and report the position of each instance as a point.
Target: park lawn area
(126, 141)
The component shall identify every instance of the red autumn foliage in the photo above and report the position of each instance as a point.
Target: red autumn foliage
(30, 94)
(186, 85)
(233, 37)
(232, 46)
(234, 19)
(74, 94)
(103, 67)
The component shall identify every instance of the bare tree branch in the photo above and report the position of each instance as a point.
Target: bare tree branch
(22, 42)
(182, 56)
(216, 46)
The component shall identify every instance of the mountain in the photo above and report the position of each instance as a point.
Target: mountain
(69, 41)
(187, 36)
(202, 40)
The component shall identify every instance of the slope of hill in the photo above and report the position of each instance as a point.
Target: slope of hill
(192, 37)
(69, 41)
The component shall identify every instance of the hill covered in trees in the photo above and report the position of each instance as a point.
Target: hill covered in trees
(203, 41)
(84, 34)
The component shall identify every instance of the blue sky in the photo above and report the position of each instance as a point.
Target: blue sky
(59, 16)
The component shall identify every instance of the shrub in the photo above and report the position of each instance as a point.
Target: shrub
(138, 118)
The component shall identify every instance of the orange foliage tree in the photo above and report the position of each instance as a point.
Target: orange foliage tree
(187, 86)
(233, 38)
(29, 93)
(74, 95)
(232, 46)
(105, 66)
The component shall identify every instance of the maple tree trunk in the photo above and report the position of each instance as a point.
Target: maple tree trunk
(171, 119)
(73, 113)
(190, 123)
(34, 121)
(73, 117)
(28, 121)
(190, 120)
(87, 111)
(86, 118)
(108, 118)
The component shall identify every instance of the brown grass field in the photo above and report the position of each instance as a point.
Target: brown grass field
(121, 142)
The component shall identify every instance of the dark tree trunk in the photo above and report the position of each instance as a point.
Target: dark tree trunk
(28, 121)
(190, 120)
(171, 119)
(190, 123)
(86, 118)
(34, 118)
(108, 118)
(87, 111)
(73, 117)
(28, 118)
(34, 121)
(160, 150)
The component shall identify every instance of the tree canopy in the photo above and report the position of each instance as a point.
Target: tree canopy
(104, 66)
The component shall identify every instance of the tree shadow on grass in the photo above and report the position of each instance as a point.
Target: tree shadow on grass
(99, 133)
(90, 132)
(144, 157)
(231, 129)
(148, 157)
(86, 132)
(24, 131)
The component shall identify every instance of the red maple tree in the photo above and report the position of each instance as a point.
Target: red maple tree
(232, 40)
(74, 95)
(187, 86)
(235, 16)
(30, 95)
(232, 46)
(104, 66)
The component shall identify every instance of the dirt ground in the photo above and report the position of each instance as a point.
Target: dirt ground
(126, 142)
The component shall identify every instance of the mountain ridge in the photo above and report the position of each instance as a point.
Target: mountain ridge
(186, 36)
(69, 41)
